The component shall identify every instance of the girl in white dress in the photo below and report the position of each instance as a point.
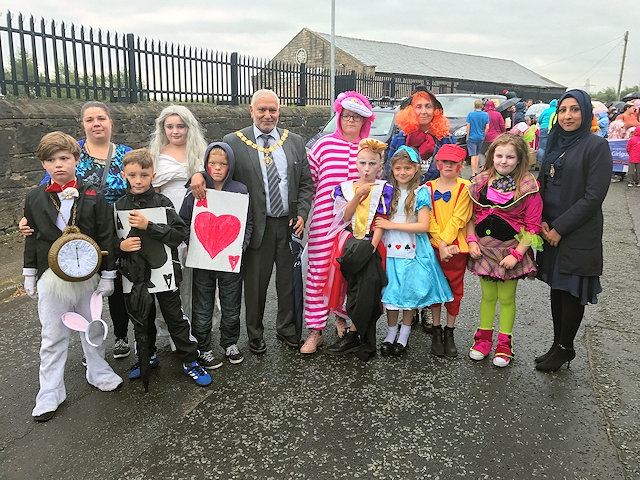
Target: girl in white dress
(177, 146)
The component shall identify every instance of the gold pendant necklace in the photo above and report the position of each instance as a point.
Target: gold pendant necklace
(267, 159)
(552, 170)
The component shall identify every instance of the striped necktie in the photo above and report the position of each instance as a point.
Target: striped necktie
(273, 179)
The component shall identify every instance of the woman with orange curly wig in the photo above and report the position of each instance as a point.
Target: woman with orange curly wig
(424, 127)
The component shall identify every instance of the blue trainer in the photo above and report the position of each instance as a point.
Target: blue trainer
(197, 373)
(135, 373)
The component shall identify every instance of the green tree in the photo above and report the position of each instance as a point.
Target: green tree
(67, 78)
(610, 94)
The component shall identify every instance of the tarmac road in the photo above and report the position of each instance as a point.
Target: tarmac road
(285, 416)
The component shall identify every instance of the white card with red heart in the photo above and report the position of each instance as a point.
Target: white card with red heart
(217, 231)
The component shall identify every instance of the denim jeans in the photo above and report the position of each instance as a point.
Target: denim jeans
(230, 293)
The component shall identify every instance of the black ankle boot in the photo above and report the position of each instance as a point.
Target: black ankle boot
(450, 349)
(425, 319)
(437, 344)
(350, 342)
(543, 357)
(558, 357)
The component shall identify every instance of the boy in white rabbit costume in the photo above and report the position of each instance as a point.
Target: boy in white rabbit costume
(48, 209)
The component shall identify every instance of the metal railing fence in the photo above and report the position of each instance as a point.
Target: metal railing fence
(50, 60)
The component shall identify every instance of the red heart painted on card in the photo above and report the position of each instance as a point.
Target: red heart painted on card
(398, 246)
(233, 261)
(216, 232)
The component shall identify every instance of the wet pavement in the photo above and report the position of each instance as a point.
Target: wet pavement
(287, 416)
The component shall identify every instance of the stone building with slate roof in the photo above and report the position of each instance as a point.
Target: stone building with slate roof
(397, 68)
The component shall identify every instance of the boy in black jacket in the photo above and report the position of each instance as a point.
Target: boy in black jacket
(49, 208)
(137, 170)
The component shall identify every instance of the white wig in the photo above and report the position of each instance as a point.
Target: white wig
(196, 144)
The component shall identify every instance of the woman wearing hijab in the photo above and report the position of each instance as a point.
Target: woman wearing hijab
(332, 160)
(574, 179)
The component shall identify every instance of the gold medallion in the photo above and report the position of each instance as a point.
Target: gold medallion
(268, 160)
(552, 171)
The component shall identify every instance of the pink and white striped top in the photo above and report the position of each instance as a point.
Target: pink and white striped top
(331, 160)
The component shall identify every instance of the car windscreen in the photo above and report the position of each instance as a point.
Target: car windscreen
(456, 106)
(459, 107)
(382, 125)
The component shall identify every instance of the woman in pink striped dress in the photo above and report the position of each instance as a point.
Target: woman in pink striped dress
(332, 160)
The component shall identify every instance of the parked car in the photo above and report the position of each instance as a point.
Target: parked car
(383, 127)
(456, 107)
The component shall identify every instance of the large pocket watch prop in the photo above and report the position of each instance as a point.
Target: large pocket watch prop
(74, 256)
(95, 331)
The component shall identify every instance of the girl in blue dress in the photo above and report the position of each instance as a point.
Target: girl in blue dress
(414, 275)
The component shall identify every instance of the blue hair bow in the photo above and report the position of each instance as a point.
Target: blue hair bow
(413, 155)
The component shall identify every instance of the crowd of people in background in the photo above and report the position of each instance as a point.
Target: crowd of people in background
(389, 229)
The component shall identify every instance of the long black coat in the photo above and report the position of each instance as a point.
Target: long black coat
(585, 181)
(362, 269)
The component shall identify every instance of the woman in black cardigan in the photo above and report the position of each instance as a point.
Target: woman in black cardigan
(574, 179)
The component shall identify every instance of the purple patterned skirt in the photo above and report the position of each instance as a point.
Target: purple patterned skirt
(493, 251)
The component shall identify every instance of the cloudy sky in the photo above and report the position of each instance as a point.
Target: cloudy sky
(576, 43)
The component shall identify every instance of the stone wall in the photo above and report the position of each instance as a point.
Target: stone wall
(24, 122)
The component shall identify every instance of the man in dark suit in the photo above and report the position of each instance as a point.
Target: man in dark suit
(272, 163)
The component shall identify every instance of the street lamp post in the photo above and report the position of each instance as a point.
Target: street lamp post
(333, 51)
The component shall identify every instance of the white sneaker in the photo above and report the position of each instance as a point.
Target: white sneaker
(476, 355)
(501, 361)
